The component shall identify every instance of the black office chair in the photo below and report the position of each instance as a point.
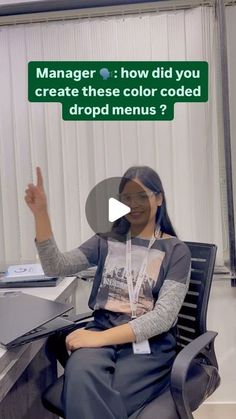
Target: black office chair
(194, 375)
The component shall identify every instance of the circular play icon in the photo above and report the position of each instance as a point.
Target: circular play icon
(115, 204)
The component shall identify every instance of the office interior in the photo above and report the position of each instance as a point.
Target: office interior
(194, 154)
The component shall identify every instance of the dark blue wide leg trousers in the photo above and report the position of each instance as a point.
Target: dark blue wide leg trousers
(112, 382)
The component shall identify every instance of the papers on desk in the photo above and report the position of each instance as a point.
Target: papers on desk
(34, 270)
(29, 275)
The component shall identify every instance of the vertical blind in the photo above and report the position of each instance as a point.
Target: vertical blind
(74, 156)
(231, 33)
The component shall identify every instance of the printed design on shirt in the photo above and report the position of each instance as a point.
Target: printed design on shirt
(113, 291)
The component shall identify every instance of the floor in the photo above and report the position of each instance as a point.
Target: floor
(216, 411)
(221, 318)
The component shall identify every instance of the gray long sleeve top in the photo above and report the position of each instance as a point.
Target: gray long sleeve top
(162, 292)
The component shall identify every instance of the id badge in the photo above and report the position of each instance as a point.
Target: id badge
(141, 347)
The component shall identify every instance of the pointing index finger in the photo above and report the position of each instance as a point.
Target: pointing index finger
(39, 177)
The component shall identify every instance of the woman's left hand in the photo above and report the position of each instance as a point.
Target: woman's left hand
(84, 339)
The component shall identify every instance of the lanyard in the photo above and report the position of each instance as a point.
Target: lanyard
(134, 291)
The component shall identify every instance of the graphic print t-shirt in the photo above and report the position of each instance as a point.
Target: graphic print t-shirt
(163, 291)
(113, 290)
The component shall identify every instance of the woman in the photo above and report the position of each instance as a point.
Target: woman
(124, 357)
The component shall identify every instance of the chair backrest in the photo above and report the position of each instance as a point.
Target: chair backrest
(192, 316)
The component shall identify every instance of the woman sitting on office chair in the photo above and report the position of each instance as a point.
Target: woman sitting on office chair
(123, 359)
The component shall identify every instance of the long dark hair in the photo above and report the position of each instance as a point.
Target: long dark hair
(152, 181)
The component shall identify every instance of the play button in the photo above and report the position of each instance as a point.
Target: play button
(117, 210)
(114, 204)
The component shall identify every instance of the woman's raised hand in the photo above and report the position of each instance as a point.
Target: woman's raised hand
(35, 196)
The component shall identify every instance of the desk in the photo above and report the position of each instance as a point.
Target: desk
(27, 370)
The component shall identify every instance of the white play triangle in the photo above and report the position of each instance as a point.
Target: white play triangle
(116, 209)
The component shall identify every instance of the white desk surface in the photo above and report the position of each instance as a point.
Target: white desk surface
(50, 293)
(9, 357)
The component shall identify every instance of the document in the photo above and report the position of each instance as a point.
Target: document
(33, 271)
(29, 275)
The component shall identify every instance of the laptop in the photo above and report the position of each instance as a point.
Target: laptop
(28, 282)
(29, 275)
(24, 318)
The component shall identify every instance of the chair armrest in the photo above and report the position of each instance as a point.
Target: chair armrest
(181, 366)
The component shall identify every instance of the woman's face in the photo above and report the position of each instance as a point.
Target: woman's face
(142, 201)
